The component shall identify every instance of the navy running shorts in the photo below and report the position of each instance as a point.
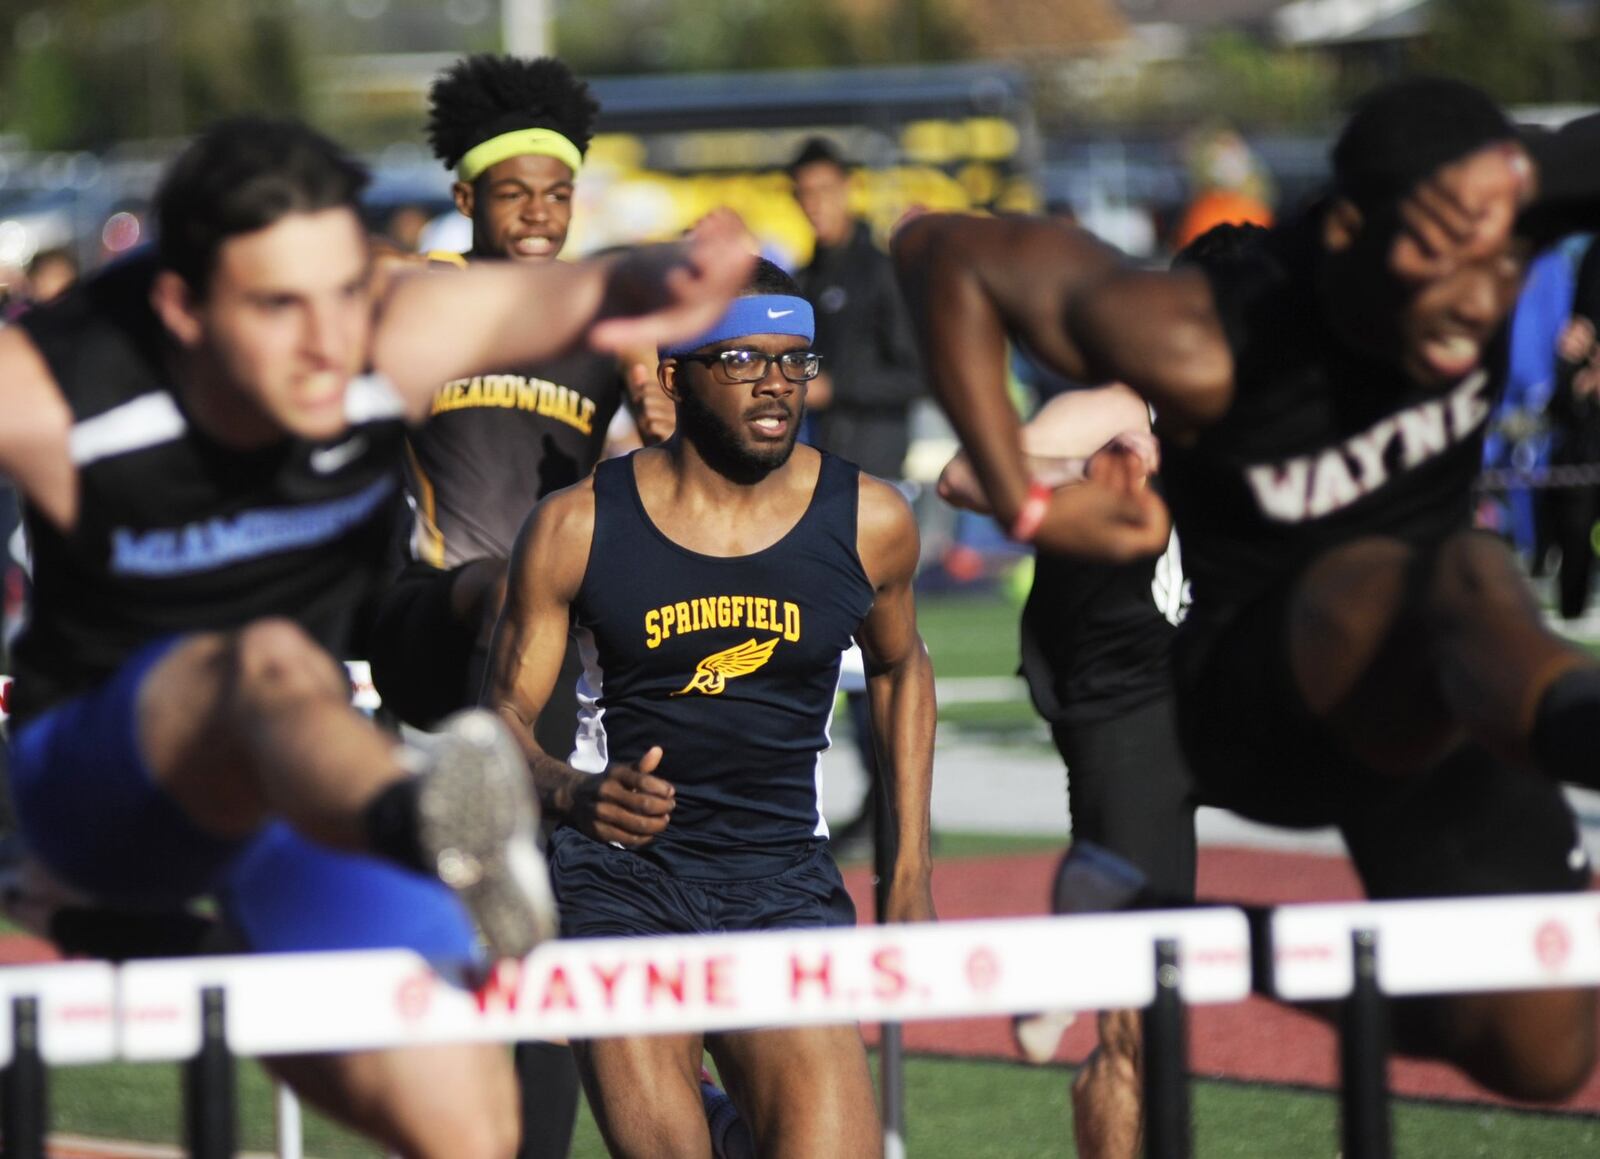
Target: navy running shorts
(608, 892)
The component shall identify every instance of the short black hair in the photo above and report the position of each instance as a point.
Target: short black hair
(240, 175)
(1401, 132)
(817, 149)
(1224, 244)
(480, 97)
(770, 278)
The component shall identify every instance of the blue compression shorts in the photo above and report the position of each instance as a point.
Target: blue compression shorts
(90, 809)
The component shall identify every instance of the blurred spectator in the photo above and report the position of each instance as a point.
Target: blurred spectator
(870, 370)
(1230, 186)
(1574, 414)
(405, 225)
(51, 274)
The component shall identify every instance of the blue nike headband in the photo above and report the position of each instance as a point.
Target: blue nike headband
(757, 314)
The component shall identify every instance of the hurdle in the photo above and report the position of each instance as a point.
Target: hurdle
(1362, 954)
(202, 1012)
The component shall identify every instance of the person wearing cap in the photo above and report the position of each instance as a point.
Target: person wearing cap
(710, 663)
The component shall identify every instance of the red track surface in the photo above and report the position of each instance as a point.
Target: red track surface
(1258, 1040)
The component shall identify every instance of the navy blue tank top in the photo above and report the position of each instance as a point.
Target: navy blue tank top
(729, 664)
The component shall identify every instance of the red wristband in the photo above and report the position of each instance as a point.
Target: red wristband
(1031, 515)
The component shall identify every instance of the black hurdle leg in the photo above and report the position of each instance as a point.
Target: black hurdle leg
(891, 1044)
(24, 1111)
(208, 1084)
(1166, 1069)
(1363, 1058)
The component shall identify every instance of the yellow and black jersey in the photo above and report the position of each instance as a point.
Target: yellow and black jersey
(730, 665)
(493, 445)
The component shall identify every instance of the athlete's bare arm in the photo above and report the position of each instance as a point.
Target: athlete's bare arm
(626, 804)
(1059, 440)
(34, 430)
(899, 689)
(1077, 305)
(439, 325)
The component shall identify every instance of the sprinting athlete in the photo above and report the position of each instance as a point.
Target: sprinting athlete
(1354, 653)
(207, 440)
(515, 131)
(710, 664)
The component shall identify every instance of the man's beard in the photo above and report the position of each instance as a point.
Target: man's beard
(721, 448)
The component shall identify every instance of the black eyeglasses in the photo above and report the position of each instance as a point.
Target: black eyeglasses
(753, 365)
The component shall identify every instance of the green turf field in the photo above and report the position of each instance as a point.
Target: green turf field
(956, 1109)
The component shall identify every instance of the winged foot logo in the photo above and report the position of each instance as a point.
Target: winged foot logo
(712, 674)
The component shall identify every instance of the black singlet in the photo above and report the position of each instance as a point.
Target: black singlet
(177, 533)
(1094, 644)
(495, 444)
(730, 665)
(1321, 444)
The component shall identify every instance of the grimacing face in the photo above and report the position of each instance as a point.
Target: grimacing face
(1435, 329)
(287, 318)
(521, 208)
(745, 429)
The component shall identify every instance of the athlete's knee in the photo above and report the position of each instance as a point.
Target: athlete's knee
(1473, 577)
(275, 659)
(1351, 595)
(1536, 1046)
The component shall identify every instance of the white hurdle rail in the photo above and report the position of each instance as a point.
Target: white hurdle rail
(204, 1011)
(1362, 954)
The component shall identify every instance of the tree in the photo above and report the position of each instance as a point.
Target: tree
(89, 73)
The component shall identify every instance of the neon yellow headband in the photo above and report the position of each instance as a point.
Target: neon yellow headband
(519, 143)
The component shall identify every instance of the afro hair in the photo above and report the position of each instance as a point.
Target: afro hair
(480, 97)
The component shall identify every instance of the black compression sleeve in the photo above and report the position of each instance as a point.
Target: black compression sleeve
(1568, 164)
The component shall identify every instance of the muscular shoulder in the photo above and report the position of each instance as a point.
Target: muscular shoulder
(886, 533)
(552, 549)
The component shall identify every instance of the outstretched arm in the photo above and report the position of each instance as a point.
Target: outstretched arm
(35, 430)
(899, 691)
(1077, 305)
(625, 804)
(438, 325)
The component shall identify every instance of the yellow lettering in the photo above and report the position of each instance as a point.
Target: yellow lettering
(527, 396)
(474, 393)
(652, 629)
(547, 397)
(681, 611)
(724, 612)
(791, 621)
(668, 620)
(585, 420)
(705, 613)
(738, 610)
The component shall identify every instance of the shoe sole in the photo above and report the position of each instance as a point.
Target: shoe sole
(480, 827)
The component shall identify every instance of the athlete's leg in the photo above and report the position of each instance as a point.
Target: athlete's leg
(1107, 1091)
(1402, 654)
(645, 1094)
(1130, 792)
(803, 1092)
(241, 726)
(285, 894)
(1477, 827)
(427, 1102)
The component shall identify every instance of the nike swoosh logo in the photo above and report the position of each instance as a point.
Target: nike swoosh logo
(330, 459)
(771, 313)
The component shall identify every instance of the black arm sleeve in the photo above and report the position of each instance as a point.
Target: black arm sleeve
(1568, 163)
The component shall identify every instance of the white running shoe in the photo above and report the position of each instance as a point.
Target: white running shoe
(479, 823)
